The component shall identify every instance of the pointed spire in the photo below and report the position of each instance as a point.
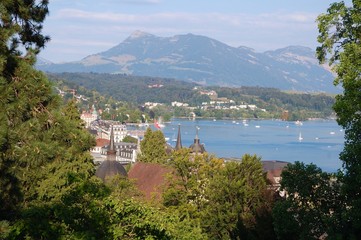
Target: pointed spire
(110, 167)
(138, 146)
(196, 139)
(178, 145)
(111, 151)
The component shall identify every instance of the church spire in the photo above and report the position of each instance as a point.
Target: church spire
(196, 138)
(178, 145)
(111, 154)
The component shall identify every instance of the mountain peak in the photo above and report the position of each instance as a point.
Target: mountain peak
(301, 50)
(139, 34)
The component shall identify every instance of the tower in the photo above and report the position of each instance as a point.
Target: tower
(110, 167)
(197, 147)
(178, 145)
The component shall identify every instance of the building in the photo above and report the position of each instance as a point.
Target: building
(96, 152)
(178, 144)
(274, 170)
(110, 168)
(89, 117)
(197, 147)
(103, 129)
(120, 132)
(125, 152)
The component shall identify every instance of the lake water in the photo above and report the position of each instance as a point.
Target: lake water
(319, 142)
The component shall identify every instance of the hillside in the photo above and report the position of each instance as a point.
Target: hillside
(138, 90)
(206, 61)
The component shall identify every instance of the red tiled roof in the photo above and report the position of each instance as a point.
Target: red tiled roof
(101, 142)
(149, 178)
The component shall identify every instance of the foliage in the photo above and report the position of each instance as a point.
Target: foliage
(225, 197)
(132, 89)
(135, 90)
(133, 220)
(313, 206)
(192, 171)
(21, 25)
(46, 186)
(339, 36)
(300, 105)
(153, 147)
(78, 214)
(130, 139)
(234, 195)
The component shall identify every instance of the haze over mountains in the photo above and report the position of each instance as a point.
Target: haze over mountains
(206, 61)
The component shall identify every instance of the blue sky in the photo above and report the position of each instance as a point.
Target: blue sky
(79, 28)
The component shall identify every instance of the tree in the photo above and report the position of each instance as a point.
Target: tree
(234, 194)
(134, 220)
(153, 147)
(130, 139)
(313, 206)
(225, 197)
(21, 22)
(20, 26)
(340, 31)
(186, 189)
(46, 184)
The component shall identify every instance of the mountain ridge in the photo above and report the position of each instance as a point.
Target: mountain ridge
(207, 61)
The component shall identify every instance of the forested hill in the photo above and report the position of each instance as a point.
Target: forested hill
(139, 90)
(130, 88)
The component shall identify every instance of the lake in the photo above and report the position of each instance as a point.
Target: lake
(319, 142)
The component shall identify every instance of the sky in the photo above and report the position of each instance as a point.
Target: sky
(79, 28)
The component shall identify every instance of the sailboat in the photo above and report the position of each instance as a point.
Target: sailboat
(300, 138)
(158, 124)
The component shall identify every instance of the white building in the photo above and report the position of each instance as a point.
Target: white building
(89, 117)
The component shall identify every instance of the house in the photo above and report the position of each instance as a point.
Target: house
(89, 117)
(125, 152)
(274, 170)
(96, 151)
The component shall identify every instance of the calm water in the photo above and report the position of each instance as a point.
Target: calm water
(319, 142)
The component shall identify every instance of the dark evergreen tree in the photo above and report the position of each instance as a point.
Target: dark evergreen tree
(46, 186)
(25, 93)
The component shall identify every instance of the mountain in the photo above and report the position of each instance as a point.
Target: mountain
(207, 61)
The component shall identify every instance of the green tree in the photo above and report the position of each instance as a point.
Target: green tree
(339, 35)
(134, 220)
(20, 26)
(226, 198)
(46, 185)
(313, 206)
(130, 139)
(153, 147)
(233, 196)
(186, 190)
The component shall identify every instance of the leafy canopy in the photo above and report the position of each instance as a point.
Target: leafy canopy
(340, 39)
